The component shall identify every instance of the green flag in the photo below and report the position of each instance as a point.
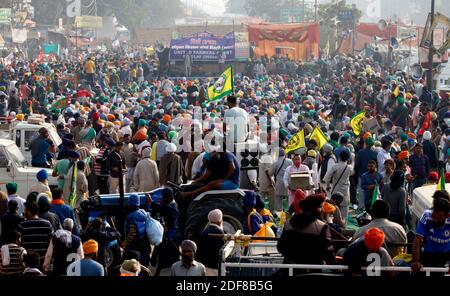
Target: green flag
(375, 195)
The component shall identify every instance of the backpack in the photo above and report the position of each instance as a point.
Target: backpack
(154, 230)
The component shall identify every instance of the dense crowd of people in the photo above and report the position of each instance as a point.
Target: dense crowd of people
(150, 131)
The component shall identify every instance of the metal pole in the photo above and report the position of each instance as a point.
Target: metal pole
(431, 52)
(315, 11)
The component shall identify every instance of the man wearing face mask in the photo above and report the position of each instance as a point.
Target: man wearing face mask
(187, 266)
(433, 231)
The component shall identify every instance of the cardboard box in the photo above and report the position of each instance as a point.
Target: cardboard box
(299, 181)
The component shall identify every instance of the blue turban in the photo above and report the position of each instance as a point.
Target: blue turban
(249, 200)
(42, 175)
(73, 154)
(134, 200)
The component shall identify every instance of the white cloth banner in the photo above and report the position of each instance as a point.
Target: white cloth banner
(19, 35)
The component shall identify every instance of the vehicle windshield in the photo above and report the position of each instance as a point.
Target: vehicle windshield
(15, 155)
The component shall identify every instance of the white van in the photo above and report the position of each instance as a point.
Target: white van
(13, 168)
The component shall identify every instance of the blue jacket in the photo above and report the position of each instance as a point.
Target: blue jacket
(64, 211)
(363, 158)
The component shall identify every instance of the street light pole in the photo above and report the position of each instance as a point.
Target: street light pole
(431, 51)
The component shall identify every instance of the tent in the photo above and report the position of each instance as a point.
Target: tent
(302, 37)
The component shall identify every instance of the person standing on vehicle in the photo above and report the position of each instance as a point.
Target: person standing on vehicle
(40, 148)
(13, 102)
(135, 234)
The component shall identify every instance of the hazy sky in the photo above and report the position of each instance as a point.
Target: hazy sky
(212, 7)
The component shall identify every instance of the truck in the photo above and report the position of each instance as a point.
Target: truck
(422, 200)
(14, 168)
(23, 132)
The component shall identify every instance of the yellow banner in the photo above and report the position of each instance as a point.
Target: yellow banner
(89, 22)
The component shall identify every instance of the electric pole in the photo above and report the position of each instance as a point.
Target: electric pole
(431, 51)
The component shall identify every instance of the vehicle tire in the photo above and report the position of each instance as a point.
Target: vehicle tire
(231, 224)
(197, 215)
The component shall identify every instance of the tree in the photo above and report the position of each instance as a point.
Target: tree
(328, 19)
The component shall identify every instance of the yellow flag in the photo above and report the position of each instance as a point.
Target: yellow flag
(320, 138)
(441, 183)
(297, 142)
(357, 123)
(222, 87)
(396, 91)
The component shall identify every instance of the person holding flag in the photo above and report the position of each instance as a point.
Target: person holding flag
(371, 181)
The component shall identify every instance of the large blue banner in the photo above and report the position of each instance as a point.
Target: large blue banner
(203, 47)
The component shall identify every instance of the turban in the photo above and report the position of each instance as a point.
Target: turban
(433, 176)
(427, 135)
(134, 200)
(215, 216)
(189, 245)
(447, 177)
(167, 118)
(403, 155)
(312, 202)
(90, 247)
(130, 267)
(403, 137)
(366, 135)
(374, 239)
(73, 154)
(328, 208)
(11, 186)
(42, 175)
(111, 117)
(95, 116)
(140, 135)
(412, 136)
(20, 116)
(142, 122)
(370, 141)
(249, 200)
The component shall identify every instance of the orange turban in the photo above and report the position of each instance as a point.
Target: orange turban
(403, 155)
(167, 118)
(140, 135)
(412, 136)
(374, 239)
(165, 93)
(328, 208)
(366, 135)
(90, 247)
(111, 117)
(117, 123)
